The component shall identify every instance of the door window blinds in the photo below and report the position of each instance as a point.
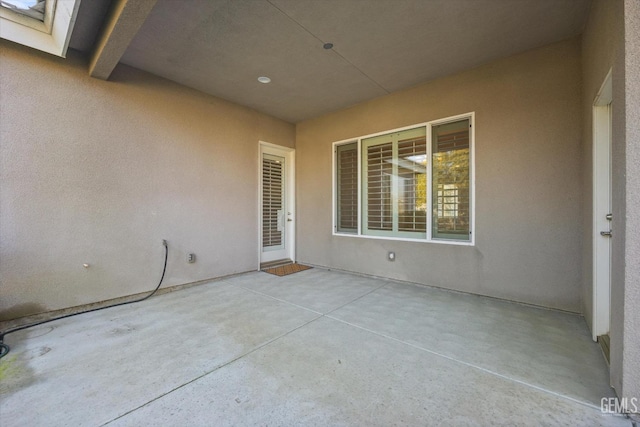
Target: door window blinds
(272, 201)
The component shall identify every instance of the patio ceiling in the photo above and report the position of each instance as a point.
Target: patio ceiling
(221, 47)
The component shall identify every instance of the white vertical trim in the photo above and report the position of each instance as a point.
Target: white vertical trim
(360, 192)
(291, 204)
(472, 171)
(259, 205)
(429, 185)
(334, 184)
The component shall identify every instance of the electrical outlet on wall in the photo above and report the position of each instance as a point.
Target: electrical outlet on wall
(191, 258)
(391, 256)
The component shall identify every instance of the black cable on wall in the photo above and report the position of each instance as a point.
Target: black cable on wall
(4, 348)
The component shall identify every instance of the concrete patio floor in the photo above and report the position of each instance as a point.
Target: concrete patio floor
(314, 348)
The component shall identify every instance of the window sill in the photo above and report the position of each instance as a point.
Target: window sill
(404, 239)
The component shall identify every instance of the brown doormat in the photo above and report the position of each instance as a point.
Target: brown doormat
(285, 270)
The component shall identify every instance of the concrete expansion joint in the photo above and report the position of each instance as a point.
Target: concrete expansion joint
(471, 365)
(241, 373)
(253, 350)
(386, 283)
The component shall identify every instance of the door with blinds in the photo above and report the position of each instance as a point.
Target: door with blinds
(276, 204)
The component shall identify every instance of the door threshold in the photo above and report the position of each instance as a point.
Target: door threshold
(276, 263)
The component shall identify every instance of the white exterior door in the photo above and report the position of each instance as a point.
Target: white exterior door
(276, 203)
(602, 215)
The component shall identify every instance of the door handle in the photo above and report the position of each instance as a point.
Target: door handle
(606, 233)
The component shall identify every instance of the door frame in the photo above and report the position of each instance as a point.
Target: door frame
(289, 194)
(601, 178)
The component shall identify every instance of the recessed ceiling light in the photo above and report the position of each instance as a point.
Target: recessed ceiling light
(328, 46)
(264, 79)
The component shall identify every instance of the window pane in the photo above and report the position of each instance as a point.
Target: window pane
(272, 202)
(379, 172)
(451, 195)
(394, 183)
(412, 184)
(347, 188)
(32, 8)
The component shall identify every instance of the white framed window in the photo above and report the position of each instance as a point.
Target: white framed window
(347, 187)
(36, 14)
(412, 183)
(45, 25)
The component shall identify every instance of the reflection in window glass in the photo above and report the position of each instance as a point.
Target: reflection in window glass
(394, 176)
(32, 8)
(450, 173)
(411, 183)
(347, 188)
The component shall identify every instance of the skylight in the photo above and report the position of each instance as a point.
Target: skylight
(32, 8)
(41, 24)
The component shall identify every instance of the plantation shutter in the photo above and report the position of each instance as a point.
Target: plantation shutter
(272, 201)
(394, 184)
(451, 181)
(379, 172)
(347, 188)
(406, 184)
(412, 184)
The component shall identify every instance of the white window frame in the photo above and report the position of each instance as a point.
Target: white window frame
(28, 21)
(429, 238)
(51, 36)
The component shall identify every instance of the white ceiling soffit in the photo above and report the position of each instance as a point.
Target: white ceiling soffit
(221, 47)
(51, 36)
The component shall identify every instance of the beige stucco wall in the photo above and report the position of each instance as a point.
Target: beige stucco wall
(528, 181)
(100, 172)
(611, 40)
(628, 377)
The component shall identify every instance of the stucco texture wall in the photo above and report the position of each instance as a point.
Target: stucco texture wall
(611, 40)
(630, 378)
(100, 172)
(528, 181)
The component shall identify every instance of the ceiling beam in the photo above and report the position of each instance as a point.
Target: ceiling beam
(121, 25)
